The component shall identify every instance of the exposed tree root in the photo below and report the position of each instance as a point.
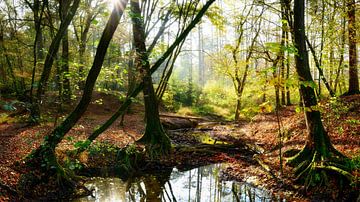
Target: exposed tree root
(43, 168)
(314, 167)
(157, 142)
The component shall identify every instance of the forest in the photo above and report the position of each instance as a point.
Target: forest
(179, 100)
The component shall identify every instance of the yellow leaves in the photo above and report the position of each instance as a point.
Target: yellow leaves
(265, 107)
(22, 74)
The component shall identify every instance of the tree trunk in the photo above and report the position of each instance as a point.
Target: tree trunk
(64, 64)
(44, 155)
(321, 73)
(37, 48)
(318, 153)
(237, 110)
(82, 49)
(157, 64)
(341, 60)
(353, 72)
(155, 137)
(287, 88)
(54, 47)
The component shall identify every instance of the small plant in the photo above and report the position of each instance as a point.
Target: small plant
(338, 108)
(73, 164)
(340, 130)
(353, 121)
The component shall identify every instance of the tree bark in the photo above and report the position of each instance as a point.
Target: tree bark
(161, 60)
(45, 153)
(38, 45)
(353, 72)
(318, 149)
(64, 63)
(341, 60)
(49, 60)
(321, 73)
(155, 137)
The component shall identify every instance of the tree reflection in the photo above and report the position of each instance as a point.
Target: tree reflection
(199, 184)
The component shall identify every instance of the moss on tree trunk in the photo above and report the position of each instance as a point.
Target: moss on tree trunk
(318, 155)
(154, 137)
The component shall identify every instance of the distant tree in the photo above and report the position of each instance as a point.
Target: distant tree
(230, 62)
(318, 153)
(90, 9)
(122, 109)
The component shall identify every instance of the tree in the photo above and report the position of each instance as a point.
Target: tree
(38, 12)
(82, 24)
(49, 60)
(154, 137)
(64, 61)
(318, 153)
(353, 71)
(44, 158)
(234, 67)
(127, 102)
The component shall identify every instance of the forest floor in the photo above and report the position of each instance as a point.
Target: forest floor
(341, 118)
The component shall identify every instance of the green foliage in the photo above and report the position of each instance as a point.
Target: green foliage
(180, 94)
(310, 84)
(10, 106)
(356, 162)
(128, 157)
(82, 144)
(73, 164)
(216, 18)
(353, 121)
(337, 107)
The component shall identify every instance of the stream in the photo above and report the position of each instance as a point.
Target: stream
(198, 184)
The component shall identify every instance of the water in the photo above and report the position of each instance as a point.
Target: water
(199, 184)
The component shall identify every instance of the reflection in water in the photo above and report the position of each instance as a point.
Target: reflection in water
(199, 184)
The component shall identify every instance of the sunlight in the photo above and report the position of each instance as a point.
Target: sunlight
(183, 100)
(111, 3)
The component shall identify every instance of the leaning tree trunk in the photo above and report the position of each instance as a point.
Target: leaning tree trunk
(49, 60)
(318, 153)
(44, 157)
(155, 137)
(139, 87)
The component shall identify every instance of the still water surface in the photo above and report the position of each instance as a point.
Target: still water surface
(199, 184)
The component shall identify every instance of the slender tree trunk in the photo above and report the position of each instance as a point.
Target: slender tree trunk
(54, 47)
(238, 108)
(201, 58)
(37, 49)
(282, 58)
(282, 67)
(287, 88)
(155, 137)
(3, 73)
(157, 64)
(341, 60)
(353, 71)
(64, 64)
(45, 153)
(82, 48)
(321, 73)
